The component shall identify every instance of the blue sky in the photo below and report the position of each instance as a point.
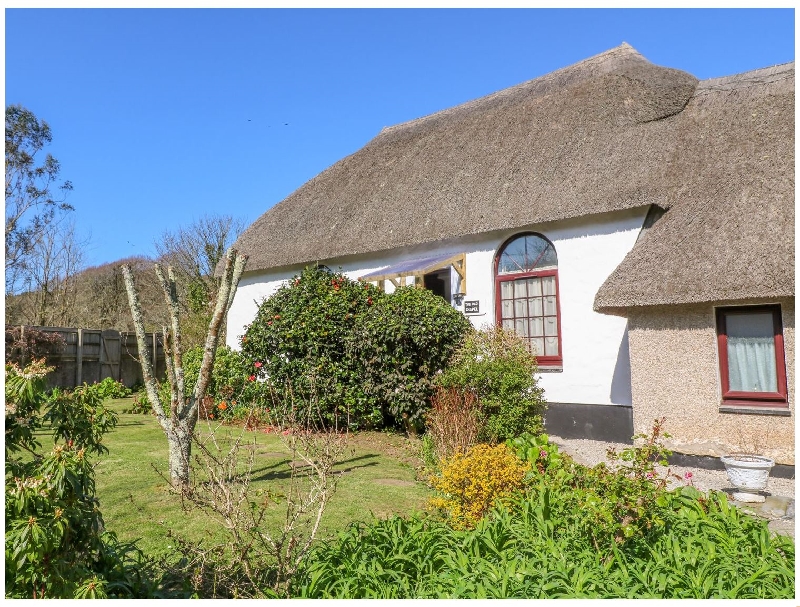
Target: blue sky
(160, 116)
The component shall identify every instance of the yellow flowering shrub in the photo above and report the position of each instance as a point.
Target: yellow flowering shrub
(472, 482)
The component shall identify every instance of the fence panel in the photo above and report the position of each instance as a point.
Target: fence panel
(91, 355)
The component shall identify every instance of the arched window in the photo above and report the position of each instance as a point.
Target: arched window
(526, 291)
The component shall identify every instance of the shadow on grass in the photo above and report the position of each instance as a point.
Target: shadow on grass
(280, 469)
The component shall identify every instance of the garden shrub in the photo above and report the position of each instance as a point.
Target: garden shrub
(472, 483)
(707, 548)
(495, 365)
(141, 405)
(362, 354)
(453, 422)
(299, 337)
(229, 388)
(111, 388)
(403, 341)
(56, 546)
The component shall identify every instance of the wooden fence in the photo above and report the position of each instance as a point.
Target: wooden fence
(91, 355)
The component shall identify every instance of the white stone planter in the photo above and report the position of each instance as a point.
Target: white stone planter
(748, 473)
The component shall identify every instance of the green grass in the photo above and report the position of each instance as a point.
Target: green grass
(377, 481)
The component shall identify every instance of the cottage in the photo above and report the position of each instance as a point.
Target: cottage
(634, 224)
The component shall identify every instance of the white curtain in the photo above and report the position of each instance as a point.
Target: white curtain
(751, 353)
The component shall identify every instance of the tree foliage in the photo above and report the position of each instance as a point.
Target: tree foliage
(33, 197)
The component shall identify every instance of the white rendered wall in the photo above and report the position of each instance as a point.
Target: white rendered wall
(596, 368)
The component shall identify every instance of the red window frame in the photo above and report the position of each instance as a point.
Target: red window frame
(542, 360)
(753, 399)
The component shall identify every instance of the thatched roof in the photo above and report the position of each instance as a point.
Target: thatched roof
(730, 234)
(609, 133)
(574, 142)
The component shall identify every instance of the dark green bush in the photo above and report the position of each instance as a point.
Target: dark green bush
(229, 378)
(403, 341)
(495, 366)
(298, 340)
(357, 351)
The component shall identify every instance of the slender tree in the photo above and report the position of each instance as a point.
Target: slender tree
(31, 203)
(178, 421)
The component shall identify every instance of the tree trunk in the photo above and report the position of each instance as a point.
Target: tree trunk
(180, 453)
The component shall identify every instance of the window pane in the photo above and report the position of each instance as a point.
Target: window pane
(550, 325)
(507, 290)
(520, 308)
(534, 286)
(535, 306)
(508, 309)
(551, 346)
(538, 345)
(526, 253)
(519, 288)
(536, 327)
(521, 327)
(548, 258)
(508, 325)
(549, 285)
(550, 305)
(751, 353)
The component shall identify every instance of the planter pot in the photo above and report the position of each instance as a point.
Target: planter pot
(749, 474)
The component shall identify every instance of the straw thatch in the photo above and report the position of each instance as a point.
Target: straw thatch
(609, 133)
(730, 234)
(571, 143)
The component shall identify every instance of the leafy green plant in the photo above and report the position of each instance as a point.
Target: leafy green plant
(532, 550)
(55, 543)
(140, 406)
(610, 503)
(111, 388)
(495, 365)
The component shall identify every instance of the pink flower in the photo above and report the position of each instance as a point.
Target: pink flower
(542, 453)
(252, 378)
(286, 432)
(650, 474)
(257, 365)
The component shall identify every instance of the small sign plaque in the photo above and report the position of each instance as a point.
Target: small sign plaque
(471, 307)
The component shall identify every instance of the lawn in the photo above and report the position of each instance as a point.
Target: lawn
(377, 480)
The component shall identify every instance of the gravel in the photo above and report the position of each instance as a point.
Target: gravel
(590, 453)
